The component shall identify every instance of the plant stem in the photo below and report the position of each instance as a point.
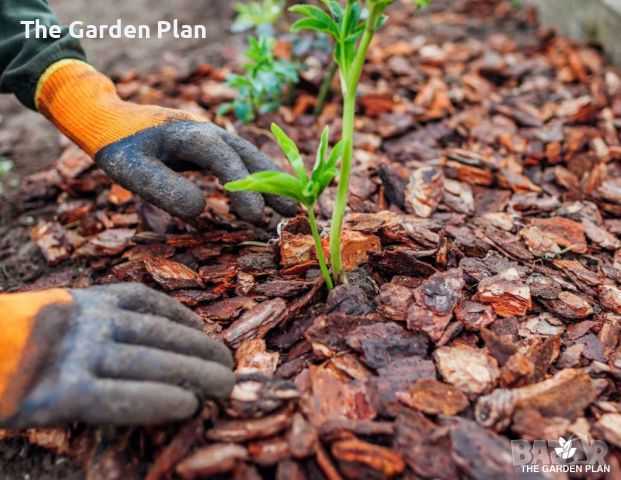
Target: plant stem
(349, 80)
(325, 88)
(319, 250)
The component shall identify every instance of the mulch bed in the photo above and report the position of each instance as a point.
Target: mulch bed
(482, 245)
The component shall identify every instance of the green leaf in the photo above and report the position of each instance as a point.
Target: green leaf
(322, 151)
(337, 152)
(291, 151)
(274, 183)
(314, 25)
(335, 8)
(311, 11)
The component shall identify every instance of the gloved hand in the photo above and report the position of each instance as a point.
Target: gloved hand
(139, 146)
(121, 354)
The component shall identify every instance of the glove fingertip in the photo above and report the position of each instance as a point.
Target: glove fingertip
(284, 206)
(248, 206)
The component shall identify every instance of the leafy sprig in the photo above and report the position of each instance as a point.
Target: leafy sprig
(262, 85)
(301, 187)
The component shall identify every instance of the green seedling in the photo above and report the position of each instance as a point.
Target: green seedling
(258, 15)
(352, 33)
(261, 87)
(301, 187)
(352, 36)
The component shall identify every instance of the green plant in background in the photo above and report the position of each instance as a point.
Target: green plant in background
(260, 15)
(301, 188)
(261, 87)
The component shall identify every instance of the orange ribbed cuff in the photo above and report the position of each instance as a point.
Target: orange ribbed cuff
(18, 312)
(84, 105)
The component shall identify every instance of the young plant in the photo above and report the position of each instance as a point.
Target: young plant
(352, 36)
(262, 85)
(260, 15)
(301, 188)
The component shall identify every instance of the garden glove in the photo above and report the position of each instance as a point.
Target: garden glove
(120, 354)
(139, 146)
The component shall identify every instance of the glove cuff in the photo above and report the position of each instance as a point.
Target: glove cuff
(18, 319)
(84, 105)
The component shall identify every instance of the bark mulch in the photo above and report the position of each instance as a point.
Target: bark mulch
(482, 245)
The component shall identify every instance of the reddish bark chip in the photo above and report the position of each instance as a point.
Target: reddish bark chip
(211, 460)
(474, 316)
(469, 369)
(394, 300)
(356, 247)
(256, 322)
(506, 293)
(610, 298)
(51, 240)
(425, 191)
(172, 275)
(564, 232)
(250, 429)
(433, 397)
(252, 356)
(383, 461)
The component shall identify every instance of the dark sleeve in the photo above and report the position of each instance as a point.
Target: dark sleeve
(22, 61)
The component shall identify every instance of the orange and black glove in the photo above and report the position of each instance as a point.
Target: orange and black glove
(120, 354)
(140, 146)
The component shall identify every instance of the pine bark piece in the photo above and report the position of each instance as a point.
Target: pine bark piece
(609, 428)
(483, 455)
(282, 288)
(334, 398)
(173, 453)
(469, 369)
(236, 431)
(393, 301)
(424, 446)
(506, 293)
(610, 298)
(565, 395)
(252, 357)
(435, 300)
(570, 305)
(226, 310)
(302, 437)
(530, 425)
(256, 322)
(474, 316)
(51, 240)
(564, 232)
(356, 247)
(383, 343)
(211, 460)
(363, 455)
(395, 377)
(433, 397)
(296, 248)
(424, 191)
(108, 243)
(269, 452)
(172, 275)
(539, 243)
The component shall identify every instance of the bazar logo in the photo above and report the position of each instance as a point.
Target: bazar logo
(571, 455)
